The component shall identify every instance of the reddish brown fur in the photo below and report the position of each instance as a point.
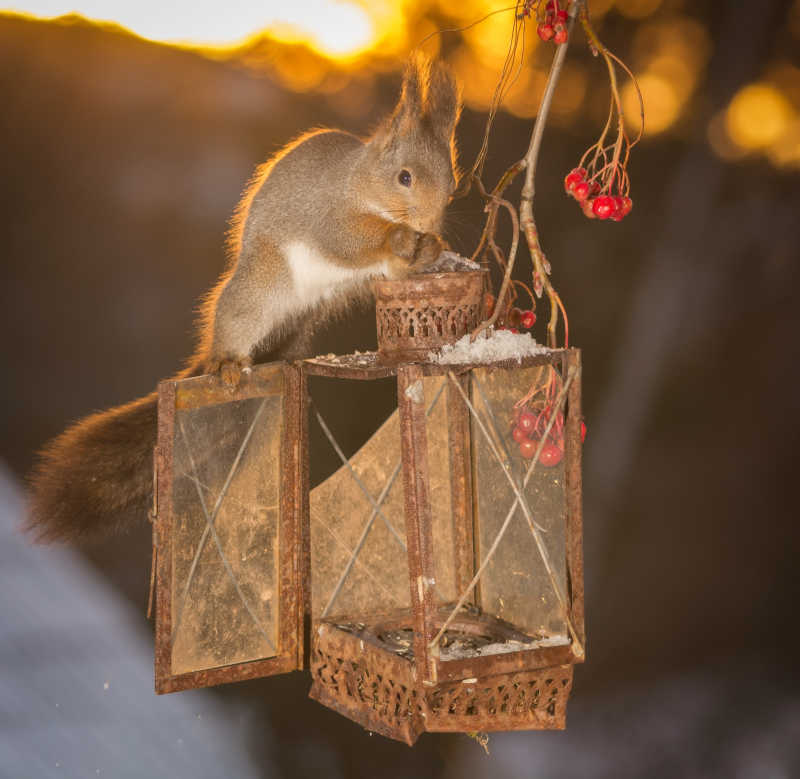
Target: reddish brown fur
(96, 476)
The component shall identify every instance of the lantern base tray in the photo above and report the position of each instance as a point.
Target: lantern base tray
(362, 675)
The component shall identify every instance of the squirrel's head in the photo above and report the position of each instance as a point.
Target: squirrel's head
(410, 161)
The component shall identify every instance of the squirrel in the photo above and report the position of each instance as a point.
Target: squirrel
(318, 220)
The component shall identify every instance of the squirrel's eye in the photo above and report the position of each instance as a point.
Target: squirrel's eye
(404, 178)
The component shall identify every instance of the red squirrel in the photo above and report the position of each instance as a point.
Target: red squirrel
(323, 216)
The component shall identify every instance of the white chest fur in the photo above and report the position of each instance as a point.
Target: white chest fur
(316, 278)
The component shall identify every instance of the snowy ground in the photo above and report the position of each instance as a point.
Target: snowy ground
(76, 680)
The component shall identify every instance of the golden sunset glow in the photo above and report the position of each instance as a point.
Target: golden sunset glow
(334, 27)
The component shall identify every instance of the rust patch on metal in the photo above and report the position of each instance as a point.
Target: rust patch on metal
(200, 391)
(365, 366)
(166, 434)
(416, 482)
(573, 456)
(461, 485)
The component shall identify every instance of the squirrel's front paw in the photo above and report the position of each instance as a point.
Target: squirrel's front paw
(429, 247)
(419, 249)
(229, 370)
(403, 241)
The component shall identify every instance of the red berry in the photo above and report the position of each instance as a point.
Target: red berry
(527, 319)
(617, 213)
(603, 206)
(526, 422)
(574, 177)
(560, 33)
(561, 15)
(527, 448)
(583, 431)
(627, 205)
(519, 435)
(588, 208)
(545, 31)
(513, 330)
(551, 455)
(581, 191)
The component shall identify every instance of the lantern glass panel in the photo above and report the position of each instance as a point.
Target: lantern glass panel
(519, 600)
(226, 498)
(359, 557)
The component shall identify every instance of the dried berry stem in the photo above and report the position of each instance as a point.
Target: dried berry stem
(527, 221)
(491, 207)
(512, 212)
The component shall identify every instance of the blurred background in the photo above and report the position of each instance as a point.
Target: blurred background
(128, 134)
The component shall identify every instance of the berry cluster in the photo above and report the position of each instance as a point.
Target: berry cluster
(528, 429)
(595, 205)
(554, 24)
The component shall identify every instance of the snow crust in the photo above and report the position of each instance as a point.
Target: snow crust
(490, 346)
(456, 652)
(450, 262)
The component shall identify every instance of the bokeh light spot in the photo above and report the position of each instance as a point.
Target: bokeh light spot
(757, 116)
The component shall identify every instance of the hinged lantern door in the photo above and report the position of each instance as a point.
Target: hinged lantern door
(520, 607)
(230, 496)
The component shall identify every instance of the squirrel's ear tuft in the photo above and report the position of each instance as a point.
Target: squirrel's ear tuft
(415, 85)
(430, 98)
(411, 105)
(443, 102)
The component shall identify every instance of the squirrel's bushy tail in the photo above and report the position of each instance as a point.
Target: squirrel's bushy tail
(97, 476)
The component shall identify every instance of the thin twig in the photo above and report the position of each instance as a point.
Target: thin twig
(509, 267)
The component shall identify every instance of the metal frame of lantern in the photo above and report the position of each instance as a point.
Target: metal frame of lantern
(280, 387)
(401, 695)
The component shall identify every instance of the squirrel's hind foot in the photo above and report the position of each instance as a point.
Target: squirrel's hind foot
(229, 370)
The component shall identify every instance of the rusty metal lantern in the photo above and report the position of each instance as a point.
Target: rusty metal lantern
(433, 583)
